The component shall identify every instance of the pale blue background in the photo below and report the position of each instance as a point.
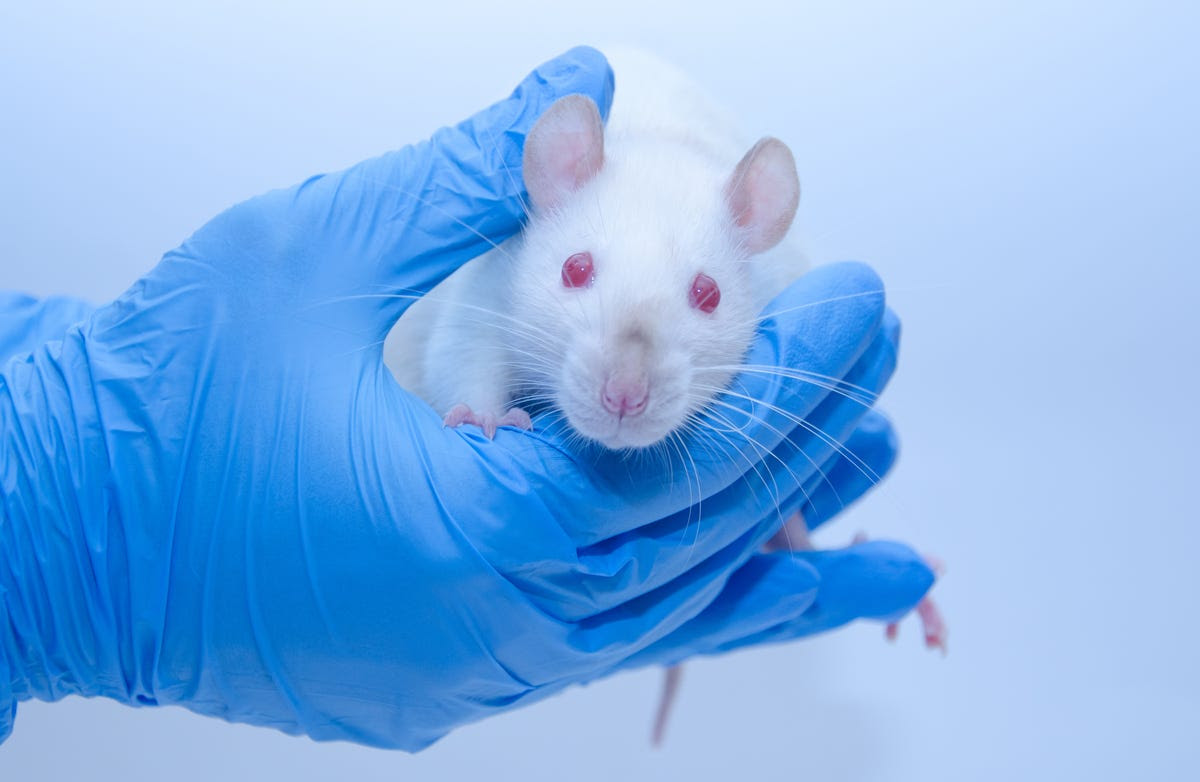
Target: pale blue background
(1024, 177)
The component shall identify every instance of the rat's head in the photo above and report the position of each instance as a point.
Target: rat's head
(633, 273)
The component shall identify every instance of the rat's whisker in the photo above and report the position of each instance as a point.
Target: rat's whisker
(703, 424)
(759, 319)
(782, 463)
(862, 394)
(497, 246)
(829, 440)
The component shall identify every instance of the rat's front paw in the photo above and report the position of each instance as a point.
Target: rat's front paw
(463, 414)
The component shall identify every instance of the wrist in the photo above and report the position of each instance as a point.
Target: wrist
(13, 682)
(54, 586)
(10, 686)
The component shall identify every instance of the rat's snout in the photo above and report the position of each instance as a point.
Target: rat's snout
(626, 392)
(626, 389)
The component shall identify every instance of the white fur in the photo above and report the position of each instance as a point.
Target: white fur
(654, 216)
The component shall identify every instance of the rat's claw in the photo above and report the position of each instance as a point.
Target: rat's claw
(516, 417)
(463, 414)
(457, 416)
(933, 625)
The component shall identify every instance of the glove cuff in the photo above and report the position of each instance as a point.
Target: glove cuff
(13, 684)
(8, 701)
(55, 623)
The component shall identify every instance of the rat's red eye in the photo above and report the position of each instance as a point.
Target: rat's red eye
(704, 294)
(577, 271)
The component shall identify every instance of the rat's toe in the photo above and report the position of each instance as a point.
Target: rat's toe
(486, 422)
(463, 414)
(457, 416)
(932, 624)
(516, 417)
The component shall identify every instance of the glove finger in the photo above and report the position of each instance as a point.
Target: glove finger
(879, 580)
(720, 599)
(873, 580)
(425, 209)
(604, 574)
(856, 468)
(768, 591)
(611, 637)
(360, 245)
(809, 339)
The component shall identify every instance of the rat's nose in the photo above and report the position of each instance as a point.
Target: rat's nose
(625, 394)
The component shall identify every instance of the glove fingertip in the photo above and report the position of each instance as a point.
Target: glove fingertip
(434, 205)
(856, 468)
(851, 281)
(863, 275)
(891, 327)
(897, 577)
(854, 279)
(878, 579)
(875, 442)
(582, 70)
(831, 316)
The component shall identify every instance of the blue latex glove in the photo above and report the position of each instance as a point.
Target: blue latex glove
(215, 495)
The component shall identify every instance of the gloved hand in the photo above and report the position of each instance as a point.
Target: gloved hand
(215, 495)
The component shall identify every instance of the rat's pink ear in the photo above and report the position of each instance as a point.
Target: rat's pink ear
(763, 194)
(563, 151)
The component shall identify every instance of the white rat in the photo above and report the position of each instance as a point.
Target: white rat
(632, 294)
(635, 287)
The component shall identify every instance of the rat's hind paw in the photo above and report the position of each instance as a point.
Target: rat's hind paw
(463, 414)
(932, 625)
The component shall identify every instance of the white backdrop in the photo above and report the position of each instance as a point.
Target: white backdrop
(1023, 177)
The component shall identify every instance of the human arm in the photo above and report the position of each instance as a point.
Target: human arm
(215, 495)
